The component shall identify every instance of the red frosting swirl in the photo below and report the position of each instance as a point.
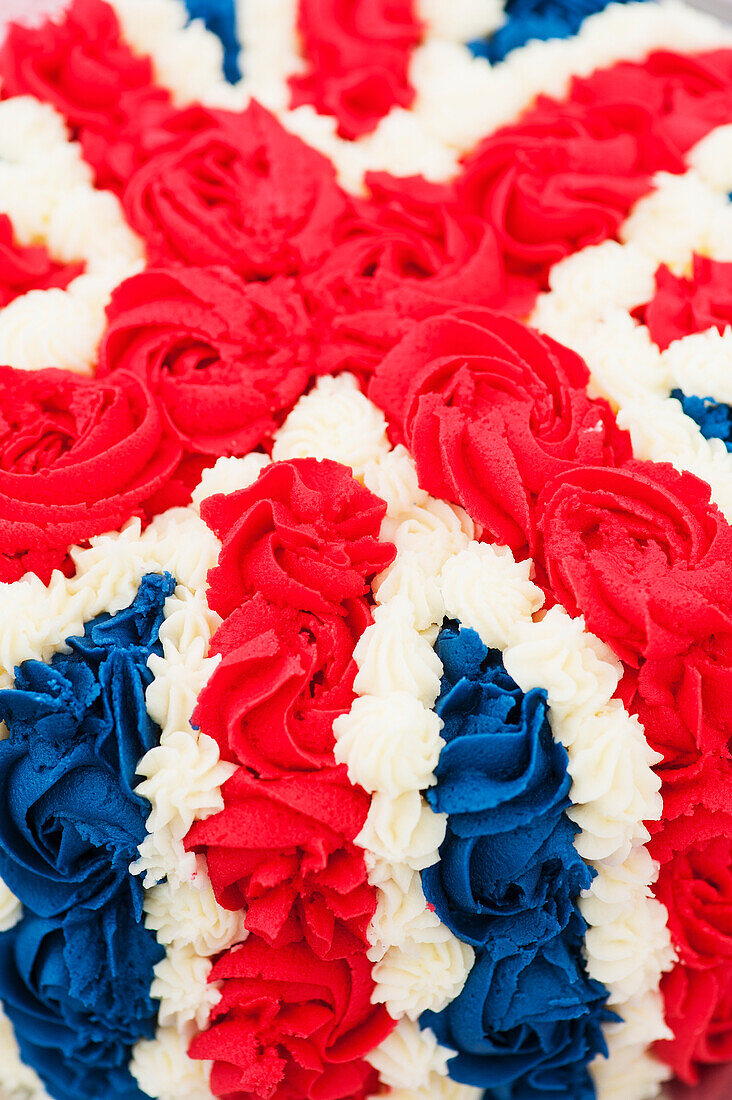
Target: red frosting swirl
(24, 269)
(683, 703)
(78, 457)
(227, 359)
(682, 306)
(304, 535)
(285, 676)
(291, 1026)
(79, 64)
(283, 850)
(567, 174)
(358, 60)
(491, 410)
(642, 554)
(234, 189)
(696, 888)
(408, 251)
(563, 178)
(687, 96)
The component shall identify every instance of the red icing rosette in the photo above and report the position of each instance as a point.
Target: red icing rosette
(682, 306)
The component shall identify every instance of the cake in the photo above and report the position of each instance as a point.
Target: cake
(365, 549)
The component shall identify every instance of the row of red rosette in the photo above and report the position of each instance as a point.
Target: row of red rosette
(295, 1017)
(264, 273)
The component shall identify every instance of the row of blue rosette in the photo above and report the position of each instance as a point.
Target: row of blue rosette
(76, 971)
(529, 1019)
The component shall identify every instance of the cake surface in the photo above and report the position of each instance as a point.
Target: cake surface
(365, 549)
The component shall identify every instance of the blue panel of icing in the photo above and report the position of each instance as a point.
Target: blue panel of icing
(529, 1020)
(76, 971)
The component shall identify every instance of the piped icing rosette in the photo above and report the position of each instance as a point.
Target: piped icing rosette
(364, 650)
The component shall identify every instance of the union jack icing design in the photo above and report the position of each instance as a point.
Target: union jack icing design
(365, 549)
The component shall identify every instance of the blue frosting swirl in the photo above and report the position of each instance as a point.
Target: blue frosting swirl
(530, 19)
(713, 417)
(75, 973)
(529, 1019)
(220, 17)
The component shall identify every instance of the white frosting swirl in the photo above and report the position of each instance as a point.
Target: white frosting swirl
(162, 1068)
(187, 914)
(182, 987)
(630, 1070)
(335, 420)
(425, 973)
(462, 20)
(486, 589)
(184, 667)
(390, 743)
(403, 830)
(228, 475)
(183, 783)
(271, 48)
(393, 658)
(655, 227)
(393, 477)
(438, 1088)
(426, 535)
(188, 58)
(712, 159)
(410, 1056)
(702, 364)
(579, 672)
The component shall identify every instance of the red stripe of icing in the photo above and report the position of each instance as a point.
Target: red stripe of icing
(296, 1018)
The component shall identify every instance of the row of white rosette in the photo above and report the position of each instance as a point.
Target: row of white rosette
(46, 188)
